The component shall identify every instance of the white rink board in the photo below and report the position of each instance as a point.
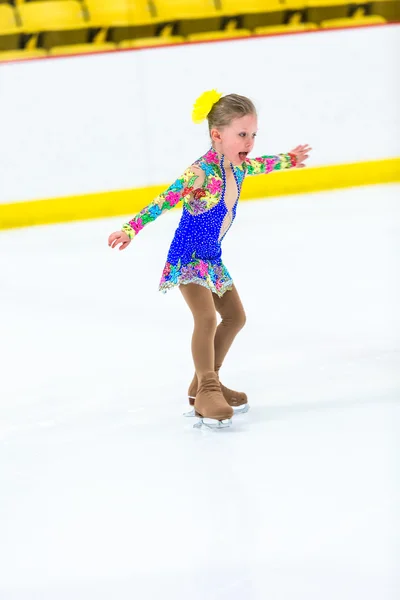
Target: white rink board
(121, 120)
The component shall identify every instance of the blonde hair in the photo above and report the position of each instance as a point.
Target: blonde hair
(228, 108)
(220, 110)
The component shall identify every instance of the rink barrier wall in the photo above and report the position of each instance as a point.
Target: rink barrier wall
(79, 126)
(233, 38)
(130, 201)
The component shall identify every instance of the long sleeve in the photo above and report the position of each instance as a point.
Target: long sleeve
(267, 164)
(181, 189)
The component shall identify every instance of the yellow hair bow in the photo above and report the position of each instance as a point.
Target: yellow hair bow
(204, 104)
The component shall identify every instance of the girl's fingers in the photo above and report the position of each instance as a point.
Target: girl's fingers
(113, 237)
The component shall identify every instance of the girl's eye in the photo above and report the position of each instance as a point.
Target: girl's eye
(242, 134)
(254, 135)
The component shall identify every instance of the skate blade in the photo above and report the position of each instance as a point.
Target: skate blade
(241, 410)
(190, 413)
(213, 423)
(238, 410)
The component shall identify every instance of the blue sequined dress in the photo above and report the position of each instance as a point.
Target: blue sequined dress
(195, 252)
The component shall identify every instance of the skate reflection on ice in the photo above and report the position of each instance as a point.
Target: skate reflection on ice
(240, 410)
(213, 423)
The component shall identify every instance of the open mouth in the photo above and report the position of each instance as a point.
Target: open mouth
(243, 156)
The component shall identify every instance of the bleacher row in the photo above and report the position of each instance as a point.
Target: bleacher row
(40, 27)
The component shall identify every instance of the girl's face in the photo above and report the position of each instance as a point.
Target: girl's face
(236, 140)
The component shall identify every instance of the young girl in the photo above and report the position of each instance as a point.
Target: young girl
(210, 190)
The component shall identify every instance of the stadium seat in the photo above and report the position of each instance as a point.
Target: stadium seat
(122, 19)
(190, 16)
(10, 33)
(285, 28)
(22, 54)
(320, 10)
(238, 7)
(259, 13)
(294, 4)
(19, 2)
(338, 23)
(57, 22)
(81, 49)
(153, 41)
(218, 35)
(390, 9)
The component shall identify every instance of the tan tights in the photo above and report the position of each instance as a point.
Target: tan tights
(210, 344)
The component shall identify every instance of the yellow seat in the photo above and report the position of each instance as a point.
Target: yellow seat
(259, 13)
(191, 16)
(122, 19)
(119, 12)
(59, 22)
(390, 9)
(321, 10)
(49, 15)
(22, 54)
(294, 4)
(81, 49)
(10, 32)
(285, 28)
(238, 7)
(173, 10)
(218, 35)
(152, 41)
(368, 20)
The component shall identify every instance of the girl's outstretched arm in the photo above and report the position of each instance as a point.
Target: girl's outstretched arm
(267, 164)
(181, 189)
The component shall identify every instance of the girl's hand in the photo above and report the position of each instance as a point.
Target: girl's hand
(301, 154)
(119, 237)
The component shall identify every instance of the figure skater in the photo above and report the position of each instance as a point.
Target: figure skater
(210, 190)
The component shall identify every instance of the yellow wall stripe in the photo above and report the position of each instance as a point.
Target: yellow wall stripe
(128, 202)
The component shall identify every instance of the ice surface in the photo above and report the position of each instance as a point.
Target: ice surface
(108, 493)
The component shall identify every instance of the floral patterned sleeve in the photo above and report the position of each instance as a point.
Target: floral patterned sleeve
(267, 164)
(182, 189)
